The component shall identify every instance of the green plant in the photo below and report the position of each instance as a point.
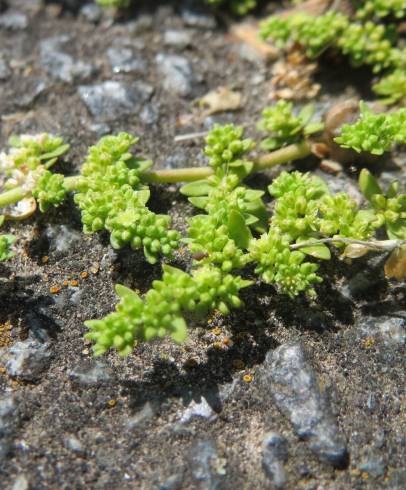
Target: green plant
(118, 4)
(234, 233)
(392, 87)
(366, 42)
(284, 126)
(381, 8)
(389, 207)
(374, 133)
(6, 242)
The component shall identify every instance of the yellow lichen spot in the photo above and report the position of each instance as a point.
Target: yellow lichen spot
(74, 283)
(84, 275)
(54, 289)
(247, 378)
(44, 259)
(65, 283)
(218, 345)
(238, 364)
(112, 403)
(3, 370)
(364, 475)
(216, 331)
(209, 321)
(368, 342)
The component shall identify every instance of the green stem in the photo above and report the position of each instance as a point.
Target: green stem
(377, 245)
(284, 155)
(12, 196)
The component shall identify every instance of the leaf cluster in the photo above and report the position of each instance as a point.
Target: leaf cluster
(112, 197)
(374, 133)
(284, 126)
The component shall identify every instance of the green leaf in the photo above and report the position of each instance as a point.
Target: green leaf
(179, 333)
(319, 251)
(144, 195)
(2, 219)
(396, 230)
(241, 168)
(125, 292)
(306, 114)
(238, 230)
(393, 189)
(312, 128)
(368, 184)
(151, 259)
(197, 188)
(253, 195)
(56, 153)
(199, 202)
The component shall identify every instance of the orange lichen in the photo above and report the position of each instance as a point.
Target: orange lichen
(112, 403)
(45, 259)
(247, 378)
(84, 275)
(54, 289)
(74, 283)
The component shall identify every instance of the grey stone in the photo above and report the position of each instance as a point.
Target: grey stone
(140, 418)
(13, 21)
(274, 455)
(144, 23)
(174, 482)
(21, 483)
(391, 330)
(33, 88)
(149, 115)
(9, 420)
(62, 238)
(196, 18)
(359, 284)
(91, 373)
(123, 60)
(100, 129)
(5, 71)
(177, 38)
(76, 296)
(92, 12)
(197, 409)
(296, 391)
(74, 445)
(207, 468)
(176, 72)
(374, 466)
(61, 65)
(28, 360)
(110, 100)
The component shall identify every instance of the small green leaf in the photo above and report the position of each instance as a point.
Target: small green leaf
(197, 188)
(151, 259)
(306, 114)
(125, 292)
(396, 230)
(179, 333)
(238, 230)
(312, 128)
(144, 195)
(199, 202)
(368, 184)
(56, 153)
(320, 251)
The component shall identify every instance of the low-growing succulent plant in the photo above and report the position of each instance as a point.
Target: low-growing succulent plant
(233, 235)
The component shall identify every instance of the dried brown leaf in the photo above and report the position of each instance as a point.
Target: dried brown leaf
(395, 266)
(221, 99)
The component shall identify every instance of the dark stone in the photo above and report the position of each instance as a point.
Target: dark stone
(274, 455)
(295, 388)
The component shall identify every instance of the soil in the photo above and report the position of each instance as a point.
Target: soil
(115, 453)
